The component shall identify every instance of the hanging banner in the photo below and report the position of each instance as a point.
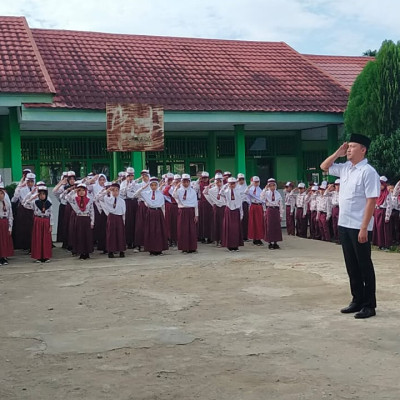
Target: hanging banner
(135, 127)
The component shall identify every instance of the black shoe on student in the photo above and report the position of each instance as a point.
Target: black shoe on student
(365, 312)
(110, 255)
(351, 308)
(5, 261)
(276, 246)
(271, 246)
(121, 254)
(1, 261)
(82, 257)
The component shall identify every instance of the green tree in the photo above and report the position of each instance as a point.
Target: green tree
(369, 53)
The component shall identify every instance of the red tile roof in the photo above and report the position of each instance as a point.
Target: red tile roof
(90, 69)
(21, 66)
(343, 68)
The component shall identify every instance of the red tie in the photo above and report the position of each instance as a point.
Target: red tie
(273, 196)
(115, 202)
(255, 190)
(218, 196)
(153, 197)
(232, 195)
(184, 195)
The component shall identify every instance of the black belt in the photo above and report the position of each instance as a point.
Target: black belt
(300, 208)
(256, 204)
(322, 212)
(42, 216)
(272, 207)
(155, 208)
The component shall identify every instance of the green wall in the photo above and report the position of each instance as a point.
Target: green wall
(286, 168)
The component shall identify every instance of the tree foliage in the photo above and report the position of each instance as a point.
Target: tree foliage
(370, 53)
(373, 108)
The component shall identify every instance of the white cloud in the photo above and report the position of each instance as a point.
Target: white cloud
(316, 26)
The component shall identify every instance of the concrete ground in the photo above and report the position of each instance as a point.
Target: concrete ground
(258, 324)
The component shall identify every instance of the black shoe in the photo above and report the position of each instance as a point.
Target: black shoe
(121, 254)
(276, 246)
(351, 308)
(82, 257)
(271, 246)
(110, 255)
(365, 312)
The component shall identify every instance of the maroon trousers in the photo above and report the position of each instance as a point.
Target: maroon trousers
(23, 228)
(115, 236)
(6, 244)
(335, 221)
(155, 232)
(83, 235)
(41, 239)
(256, 222)
(381, 235)
(395, 224)
(65, 227)
(130, 219)
(187, 230)
(273, 231)
(219, 213)
(205, 219)
(301, 223)
(290, 224)
(71, 231)
(171, 221)
(314, 227)
(245, 220)
(323, 225)
(139, 224)
(231, 229)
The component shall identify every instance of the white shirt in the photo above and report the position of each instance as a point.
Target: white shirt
(267, 194)
(254, 197)
(357, 184)
(7, 213)
(214, 197)
(186, 198)
(236, 202)
(89, 210)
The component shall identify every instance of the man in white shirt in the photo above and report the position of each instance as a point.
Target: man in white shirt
(359, 189)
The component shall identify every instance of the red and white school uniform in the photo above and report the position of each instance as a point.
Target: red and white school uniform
(290, 203)
(155, 232)
(311, 201)
(395, 217)
(6, 224)
(231, 232)
(84, 210)
(128, 189)
(41, 245)
(273, 215)
(256, 213)
(205, 212)
(115, 209)
(324, 212)
(100, 217)
(301, 214)
(171, 214)
(213, 196)
(245, 207)
(187, 211)
(140, 218)
(382, 235)
(335, 214)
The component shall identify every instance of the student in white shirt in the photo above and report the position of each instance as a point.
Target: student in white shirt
(359, 190)
(6, 224)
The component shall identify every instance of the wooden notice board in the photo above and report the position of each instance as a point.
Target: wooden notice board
(135, 127)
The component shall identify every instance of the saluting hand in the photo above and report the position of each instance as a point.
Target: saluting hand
(342, 150)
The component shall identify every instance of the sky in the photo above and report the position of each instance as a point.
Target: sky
(337, 27)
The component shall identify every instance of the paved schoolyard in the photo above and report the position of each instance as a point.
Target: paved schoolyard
(258, 324)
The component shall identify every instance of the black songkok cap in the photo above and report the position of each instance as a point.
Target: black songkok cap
(357, 138)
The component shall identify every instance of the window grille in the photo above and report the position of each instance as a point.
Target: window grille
(313, 159)
(225, 147)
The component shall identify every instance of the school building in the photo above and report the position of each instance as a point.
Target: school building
(260, 108)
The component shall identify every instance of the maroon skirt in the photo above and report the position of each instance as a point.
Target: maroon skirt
(187, 231)
(6, 244)
(66, 221)
(231, 229)
(381, 235)
(219, 213)
(115, 237)
(99, 230)
(23, 228)
(155, 233)
(41, 239)
(71, 230)
(273, 231)
(290, 224)
(256, 222)
(140, 220)
(60, 222)
(245, 220)
(130, 220)
(83, 235)
(205, 219)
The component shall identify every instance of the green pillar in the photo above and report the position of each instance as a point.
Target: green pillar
(212, 152)
(300, 164)
(115, 166)
(240, 155)
(332, 138)
(15, 145)
(137, 161)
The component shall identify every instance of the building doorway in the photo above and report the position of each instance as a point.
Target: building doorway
(265, 170)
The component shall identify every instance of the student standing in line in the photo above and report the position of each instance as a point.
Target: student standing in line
(290, 203)
(41, 246)
(141, 213)
(256, 212)
(273, 214)
(115, 209)
(188, 214)
(245, 206)
(213, 196)
(6, 224)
